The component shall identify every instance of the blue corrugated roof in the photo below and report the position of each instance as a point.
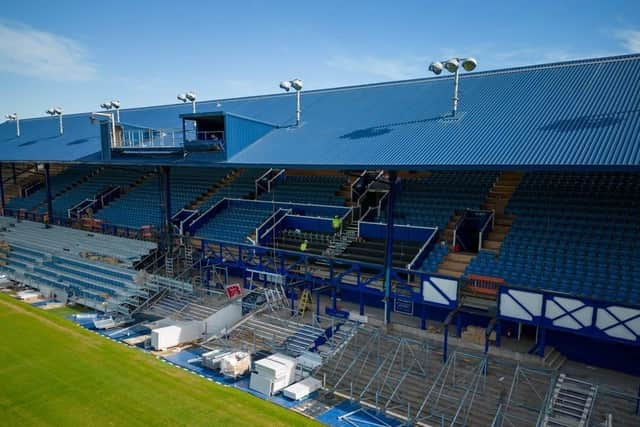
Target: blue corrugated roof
(579, 114)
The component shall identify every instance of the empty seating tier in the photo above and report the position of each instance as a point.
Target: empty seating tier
(317, 189)
(141, 206)
(234, 224)
(573, 233)
(431, 201)
(59, 184)
(372, 251)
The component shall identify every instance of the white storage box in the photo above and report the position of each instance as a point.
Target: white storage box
(302, 389)
(260, 384)
(235, 364)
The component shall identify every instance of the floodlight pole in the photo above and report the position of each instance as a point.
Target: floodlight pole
(193, 106)
(1, 192)
(455, 92)
(117, 115)
(298, 108)
(60, 121)
(388, 256)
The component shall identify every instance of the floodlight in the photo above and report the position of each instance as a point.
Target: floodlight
(14, 117)
(452, 65)
(436, 67)
(115, 104)
(182, 98)
(286, 85)
(50, 111)
(297, 84)
(469, 64)
(190, 96)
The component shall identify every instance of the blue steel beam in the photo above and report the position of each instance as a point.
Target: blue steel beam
(2, 201)
(47, 180)
(388, 256)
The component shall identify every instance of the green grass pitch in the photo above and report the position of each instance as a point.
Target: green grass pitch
(54, 373)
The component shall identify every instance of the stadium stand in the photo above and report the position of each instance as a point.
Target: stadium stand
(59, 184)
(234, 224)
(317, 189)
(104, 179)
(572, 233)
(241, 186)
(433, 200)
(187, 185)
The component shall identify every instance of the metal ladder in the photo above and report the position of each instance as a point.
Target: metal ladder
(570, 404)
(169, 265)
(305, 302)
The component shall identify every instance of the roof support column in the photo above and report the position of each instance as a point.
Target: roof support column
(388, 255)
(47, 181)
(166, 238)
(2, 207)
(13, 171)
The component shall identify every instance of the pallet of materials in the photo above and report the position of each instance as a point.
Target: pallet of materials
(272, 374)
(236, 364)
(302, 389)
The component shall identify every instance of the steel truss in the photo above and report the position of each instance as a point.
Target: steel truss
(405, 378)
(527, 398)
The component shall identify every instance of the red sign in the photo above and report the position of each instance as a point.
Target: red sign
(234, 290)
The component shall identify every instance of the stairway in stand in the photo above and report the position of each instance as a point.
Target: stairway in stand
(570, 404)
(497, 200)
(455, 263)
(195, 204)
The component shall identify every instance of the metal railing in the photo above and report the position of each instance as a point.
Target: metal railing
(424, 247)
(193, 135)
(137, 137)
(484, 230)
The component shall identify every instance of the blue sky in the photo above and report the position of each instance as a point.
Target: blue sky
(76, 54)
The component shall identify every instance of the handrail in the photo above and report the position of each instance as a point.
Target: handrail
(366, 190)
(82, 202)
(381, 201)
(457, 226)
(279, 211)
(204, 214)
(353, 184)
(282, 171)
(260, 178)
(490, 219)
(410, 266)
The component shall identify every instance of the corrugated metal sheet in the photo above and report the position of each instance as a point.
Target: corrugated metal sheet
(580, 114)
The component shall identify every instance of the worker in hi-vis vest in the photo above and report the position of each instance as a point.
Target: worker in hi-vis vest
(336, 222)
(303, 246)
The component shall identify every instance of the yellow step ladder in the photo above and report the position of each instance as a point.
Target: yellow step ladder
(305, 302)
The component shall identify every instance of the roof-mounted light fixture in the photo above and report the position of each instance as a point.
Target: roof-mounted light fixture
(14, 118)
(189, 97)
(57, 111)
(296, 84)
(112, 104)
(453, 66)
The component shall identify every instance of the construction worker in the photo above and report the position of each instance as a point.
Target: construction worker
(303, 246)
(336, 223)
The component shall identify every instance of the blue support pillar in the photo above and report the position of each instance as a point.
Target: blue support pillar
(638, 403)
(541, 341)
(2, 201)
(361, 302)
(388, 255)
(318, 305)
(47, 180)
(423, 316)
(446, 342)
(459, 325)
(166, 235)
(13, 171)
(498, 333)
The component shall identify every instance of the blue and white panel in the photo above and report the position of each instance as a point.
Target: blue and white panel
(440, 291)
(522, 306)
(619, 322)
(568, 313)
